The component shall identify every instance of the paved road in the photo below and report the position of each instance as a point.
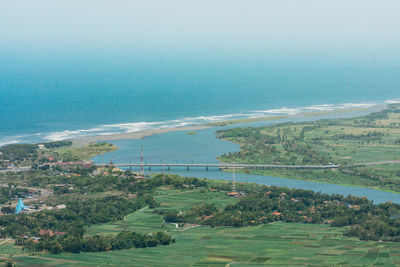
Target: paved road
(376, 163)
(17, 169)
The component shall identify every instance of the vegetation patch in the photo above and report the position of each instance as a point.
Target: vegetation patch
(85, 152)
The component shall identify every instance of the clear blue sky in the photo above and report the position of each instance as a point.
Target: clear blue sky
(362, 28)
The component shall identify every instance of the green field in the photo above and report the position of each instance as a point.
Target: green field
(270, 244)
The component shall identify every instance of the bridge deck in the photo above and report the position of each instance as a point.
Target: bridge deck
(226, 166)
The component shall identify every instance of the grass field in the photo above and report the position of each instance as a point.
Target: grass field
(84, 152)
(271, 244)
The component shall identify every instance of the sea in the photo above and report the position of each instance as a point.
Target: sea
(49, 103)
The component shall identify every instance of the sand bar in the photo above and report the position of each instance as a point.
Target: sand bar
(135, 135)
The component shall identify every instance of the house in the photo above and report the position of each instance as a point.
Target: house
(233, 194)
(208, 217)
(262, 218)
(353, 206)
(241, 193)
(42, 147)
(10, 166)
(46, 232)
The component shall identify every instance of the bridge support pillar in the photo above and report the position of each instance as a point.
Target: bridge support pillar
(169, 168)
(207, 168)
(187, 168)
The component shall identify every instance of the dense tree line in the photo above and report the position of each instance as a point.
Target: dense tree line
(79, 213)
(57, 144)
(19, 152)
(74, 244)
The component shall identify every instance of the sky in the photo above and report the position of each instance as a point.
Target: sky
(364, 29)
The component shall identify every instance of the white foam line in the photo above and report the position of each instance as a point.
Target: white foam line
(9, 142)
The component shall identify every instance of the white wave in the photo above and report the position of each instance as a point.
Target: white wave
(105, 134)
(392, 101)
(282, 111)
(326, 107)
(215, 118)
(130, 127)
(356, 105)
(68, 134)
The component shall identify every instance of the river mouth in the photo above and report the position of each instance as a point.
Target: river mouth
(203, 147)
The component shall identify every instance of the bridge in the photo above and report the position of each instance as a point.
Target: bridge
(223, 166)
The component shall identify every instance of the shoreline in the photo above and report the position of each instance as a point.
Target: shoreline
(299, 115)
(320, 181)
(142, 134)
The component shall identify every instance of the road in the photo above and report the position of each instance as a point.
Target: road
(44, 193)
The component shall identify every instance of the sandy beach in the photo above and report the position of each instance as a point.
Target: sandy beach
(135, 135)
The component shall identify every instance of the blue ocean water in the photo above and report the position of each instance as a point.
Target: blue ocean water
(45, 103)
